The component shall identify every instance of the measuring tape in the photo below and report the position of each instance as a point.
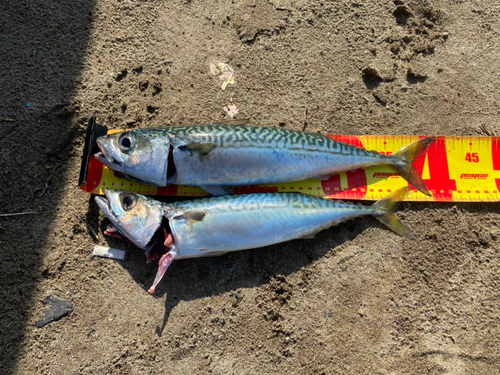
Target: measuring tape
(455, 169)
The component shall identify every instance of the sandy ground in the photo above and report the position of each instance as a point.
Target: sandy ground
(357, 299)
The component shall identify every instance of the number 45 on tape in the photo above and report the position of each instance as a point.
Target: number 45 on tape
(455, 169)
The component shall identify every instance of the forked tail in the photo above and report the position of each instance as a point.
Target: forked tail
(407, 156)
(385, 215)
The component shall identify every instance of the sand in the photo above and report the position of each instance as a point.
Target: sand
(357, 299)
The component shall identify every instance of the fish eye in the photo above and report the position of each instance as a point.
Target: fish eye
(126, 142)
(128, 202)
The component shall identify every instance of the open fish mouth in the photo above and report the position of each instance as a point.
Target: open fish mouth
(105, 158)
(105, 207)
(111, 229)
(159, 244)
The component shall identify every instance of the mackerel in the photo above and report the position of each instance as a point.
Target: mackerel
(214, 226)
(218, 155)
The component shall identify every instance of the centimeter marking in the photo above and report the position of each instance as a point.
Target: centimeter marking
(455, 169)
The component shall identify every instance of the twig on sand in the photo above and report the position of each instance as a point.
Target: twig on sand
(39, 174)
(19, 213)
(48, 179)
(486, 130)
(3, 119)
(92, 230)
(304, 121)
(32, 196)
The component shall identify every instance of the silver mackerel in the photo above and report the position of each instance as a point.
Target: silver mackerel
(213, 226)
(212, 156)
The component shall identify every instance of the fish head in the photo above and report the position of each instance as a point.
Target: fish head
(139, 156)
(137, 218)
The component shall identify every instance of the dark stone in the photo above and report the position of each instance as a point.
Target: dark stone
(58, 309)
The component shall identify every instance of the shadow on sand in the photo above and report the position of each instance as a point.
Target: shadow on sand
(43, 45)
(195, 278)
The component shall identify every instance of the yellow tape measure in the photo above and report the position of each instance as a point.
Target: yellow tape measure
(455, 169)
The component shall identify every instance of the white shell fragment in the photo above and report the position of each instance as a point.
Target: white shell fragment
(108, 252)
(231, 110)
(225, 73)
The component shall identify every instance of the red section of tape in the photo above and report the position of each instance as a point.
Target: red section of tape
(94, 175)
(495, 152)
(440, 184)
(356, 180)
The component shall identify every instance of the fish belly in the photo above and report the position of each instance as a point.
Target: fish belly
(257, 222)
(253, 166)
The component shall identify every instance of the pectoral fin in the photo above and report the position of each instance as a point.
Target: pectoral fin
(191, 216)
(202, 149)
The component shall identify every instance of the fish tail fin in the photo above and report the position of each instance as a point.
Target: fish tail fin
(407, 156)
(384, 214)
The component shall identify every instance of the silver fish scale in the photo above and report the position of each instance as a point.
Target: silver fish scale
(248, 202)
(219, 225)
(254, 136)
